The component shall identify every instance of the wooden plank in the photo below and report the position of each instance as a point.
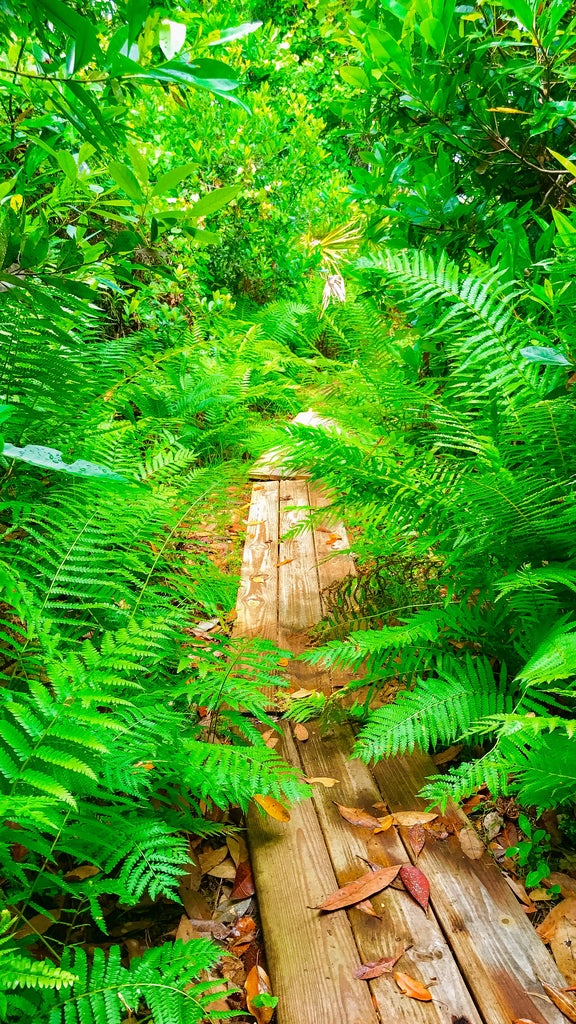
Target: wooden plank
(498, 951)
(402, 923)
(257, 603)
(309, 955)
(328, 540)
(299, 605)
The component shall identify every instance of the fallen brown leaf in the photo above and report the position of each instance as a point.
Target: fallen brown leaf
(225, 870)
(237, 848)
(447, 755)
(38, 924)
(322, 781)
(519, 890)
(563, 949)
(566, 883)
(472, 802)
(81, 872)
(256, 984)
(301, 732)
(417, 884)
(471, 842)
(366, 907)
(566, 1005)
(211, 858)
(376, 968)
(411, 987)
(360, 888)
(408, 818)
(417, 839)
(186, 930)
(272, 807)
(243, 882)
(566, 908)
(243, 933)
(357, 816)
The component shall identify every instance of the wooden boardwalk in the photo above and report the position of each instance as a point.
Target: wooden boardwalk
(475, 949)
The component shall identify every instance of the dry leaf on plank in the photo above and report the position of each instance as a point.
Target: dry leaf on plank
(417, 839)
(322, 781)
(447, 755)
(471, 843)
(357, 816)
(272, 807)
(565, 1004)
(385, 823)
(366, 907)
(361, 888)
(408, 818)
(377, 968)
(417, 884)
(301, 732)
(410, 987)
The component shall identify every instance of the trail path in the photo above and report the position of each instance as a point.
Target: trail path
(475, 949)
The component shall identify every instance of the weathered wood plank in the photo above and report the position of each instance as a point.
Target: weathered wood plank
(257, 603)
(309, 955)
(403, 923)
(497, 949)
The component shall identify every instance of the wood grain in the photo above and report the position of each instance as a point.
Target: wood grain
(257, 603)
(497, 949)
(310, 955)
(402, 923)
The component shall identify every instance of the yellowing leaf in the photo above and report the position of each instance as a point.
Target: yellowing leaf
(321, 781)
(385, 823)
(81, 872)
(258, 984)
(568, 164)
(411, 987)
(509, 110)
(272, 807)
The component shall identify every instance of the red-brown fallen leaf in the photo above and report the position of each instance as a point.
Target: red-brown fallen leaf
(471, 843)
(417, 839)
(301, 732)
(243, 934)
(417, 884)
(566, 908)
(366, 907)
(272, 807)
(256, 984)
(408, 818)
(361, 888)
(566, 1005)
(243, 882)
(410, 987)
(376, 968)
(472, 802)
(357, 816)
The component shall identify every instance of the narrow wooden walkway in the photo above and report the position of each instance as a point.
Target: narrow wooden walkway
(475, 949)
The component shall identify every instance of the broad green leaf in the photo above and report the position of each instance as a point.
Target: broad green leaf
(215, 200)
(226, 35)
(51, 458)
(565, 228)
(172, 37)
(523, 11)
(138, 161)
(166, 182)
(126, 179)
(548, 356)
(434, 33)
(6, 187)
(67, 164)
(354, 76)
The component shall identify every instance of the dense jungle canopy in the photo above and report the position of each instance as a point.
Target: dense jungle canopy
(213, 216)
